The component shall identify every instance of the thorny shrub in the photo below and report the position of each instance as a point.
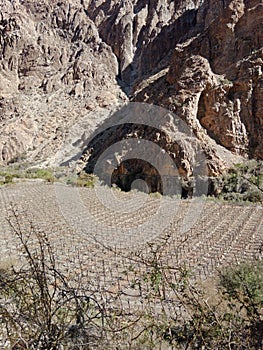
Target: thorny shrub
(40, 307)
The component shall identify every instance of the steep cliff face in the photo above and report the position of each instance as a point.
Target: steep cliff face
(60, 61)
(214, 79)
(54, 69)
(142, 33)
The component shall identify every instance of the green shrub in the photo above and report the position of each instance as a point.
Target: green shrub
(45, 174)
(243, 182)
(82, 180)
(244, 284)
(7, 177)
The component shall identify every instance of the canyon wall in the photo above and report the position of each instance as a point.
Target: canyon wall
(62, 62)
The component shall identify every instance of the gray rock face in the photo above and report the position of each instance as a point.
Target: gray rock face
(142, 33)
(214, 79)
(54, 70)
(65, 67)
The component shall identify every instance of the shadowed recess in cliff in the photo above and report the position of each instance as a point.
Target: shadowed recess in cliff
(128, 133)
(137, 156)
(150, 53)
(137, 174)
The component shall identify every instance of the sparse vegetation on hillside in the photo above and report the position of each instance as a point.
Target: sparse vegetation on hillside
(243, 182)
(8, 174)
(82, 180)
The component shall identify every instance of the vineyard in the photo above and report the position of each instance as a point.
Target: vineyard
(131, 255)
(84, 229)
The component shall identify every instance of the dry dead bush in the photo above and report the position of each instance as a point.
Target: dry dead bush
(41, 308)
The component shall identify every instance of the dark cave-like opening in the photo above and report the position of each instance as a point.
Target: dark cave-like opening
(140, 175)
(137, 174)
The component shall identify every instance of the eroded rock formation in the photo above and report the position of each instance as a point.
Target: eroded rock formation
(54, 70)
(214, 79)
(200, 59)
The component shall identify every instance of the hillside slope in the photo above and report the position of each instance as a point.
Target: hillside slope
(66, 67)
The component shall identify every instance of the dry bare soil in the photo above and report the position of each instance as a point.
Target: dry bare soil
(95, 230)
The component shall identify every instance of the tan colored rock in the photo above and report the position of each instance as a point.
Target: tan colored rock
(214, 80)
(142, 33)
(64, 67)
(53, 64)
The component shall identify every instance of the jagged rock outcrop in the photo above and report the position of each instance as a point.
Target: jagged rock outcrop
(54, 69)
(60, 61)
(214, 80)
(142, 33)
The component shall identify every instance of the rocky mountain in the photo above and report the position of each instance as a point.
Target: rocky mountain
(55, 69)
(66, 67)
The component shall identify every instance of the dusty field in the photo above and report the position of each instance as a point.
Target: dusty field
(100, 237)
(94, 232)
